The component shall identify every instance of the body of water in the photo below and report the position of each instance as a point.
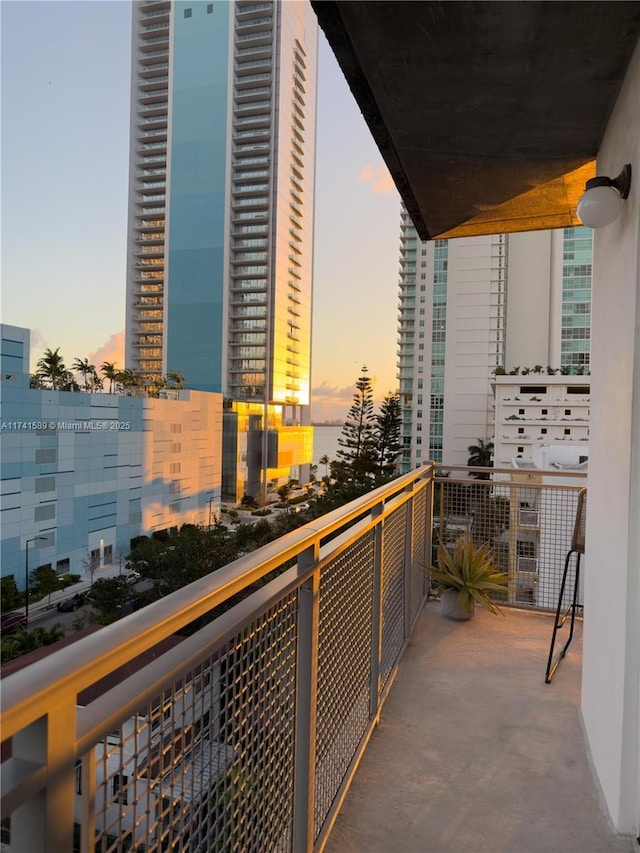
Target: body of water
(325, 441)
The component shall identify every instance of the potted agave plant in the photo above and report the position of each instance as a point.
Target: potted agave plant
(464, 575)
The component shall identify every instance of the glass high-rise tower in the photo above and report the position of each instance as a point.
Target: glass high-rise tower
(474, 305)
(221, 205)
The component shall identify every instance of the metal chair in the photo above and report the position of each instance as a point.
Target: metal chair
(577, 548)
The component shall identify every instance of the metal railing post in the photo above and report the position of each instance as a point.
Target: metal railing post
(306, 705)
(408, 561)
(45, 822)
(376, 613)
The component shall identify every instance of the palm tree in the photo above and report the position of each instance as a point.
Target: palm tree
(96, 382)
(127, 378)
(82, 366)
(324, 460)
(175, 379)
(480, 457)
(68, 382)
(155, 384)
(51, 367)
(110, 372)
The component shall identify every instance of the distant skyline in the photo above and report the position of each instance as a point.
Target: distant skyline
(65, 164)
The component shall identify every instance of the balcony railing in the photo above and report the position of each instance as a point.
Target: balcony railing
(242, 735)
(205, 724)
(528, 517)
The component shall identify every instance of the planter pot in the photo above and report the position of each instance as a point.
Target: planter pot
(450, 608)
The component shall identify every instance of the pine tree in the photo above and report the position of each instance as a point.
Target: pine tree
(357, 438)
(388, 425)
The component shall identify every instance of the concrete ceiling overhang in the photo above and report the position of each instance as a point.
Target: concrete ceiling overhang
(489, 115)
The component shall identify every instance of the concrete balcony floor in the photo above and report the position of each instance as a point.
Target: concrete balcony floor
(474, 752)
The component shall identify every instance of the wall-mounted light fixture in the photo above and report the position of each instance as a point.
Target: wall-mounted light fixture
(601, 201)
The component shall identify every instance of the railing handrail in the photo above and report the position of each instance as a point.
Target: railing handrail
(519, 472)
(27, 694)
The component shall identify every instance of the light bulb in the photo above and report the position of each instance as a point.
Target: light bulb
(599, 206)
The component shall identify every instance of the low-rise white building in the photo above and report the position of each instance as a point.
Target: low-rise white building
(539, 409)
(83, 473)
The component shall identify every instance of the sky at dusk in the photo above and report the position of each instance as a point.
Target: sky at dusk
(65, 163)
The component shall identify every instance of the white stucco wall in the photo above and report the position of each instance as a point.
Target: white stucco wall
(528, 299)
(611, 672)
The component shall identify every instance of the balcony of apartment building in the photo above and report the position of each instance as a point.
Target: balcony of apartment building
(309, 696)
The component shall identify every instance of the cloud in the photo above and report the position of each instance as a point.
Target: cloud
(378, 177)
(332, 391)
(330, 402)
(37, 340)
(112, 350)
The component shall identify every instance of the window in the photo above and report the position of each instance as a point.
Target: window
(543, 430)
(45, 484)
(108, 555)
(209, 8)
(45, 512)
(521, 411)
(520, 430)
(567, 432)
(521, 450)
(578, 389)
(79, 776)
(94, 558)
(62, 567)
(119, 783)
(567, 411)
(545, 411)
(187, 13)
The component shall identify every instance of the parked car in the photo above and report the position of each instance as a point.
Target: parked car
(132, 577)
(12, 621)
(71, 604)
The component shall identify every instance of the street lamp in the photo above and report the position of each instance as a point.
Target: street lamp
(26, 576)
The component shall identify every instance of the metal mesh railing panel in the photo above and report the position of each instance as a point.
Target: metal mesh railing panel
(344, 667)
(393, 550)
(419, 557)
(208, 765)
(558, 509)
(530, 527)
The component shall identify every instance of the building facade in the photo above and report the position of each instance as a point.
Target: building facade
(474, 306)
(82, 474)
(221, 201)
(537, 411)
